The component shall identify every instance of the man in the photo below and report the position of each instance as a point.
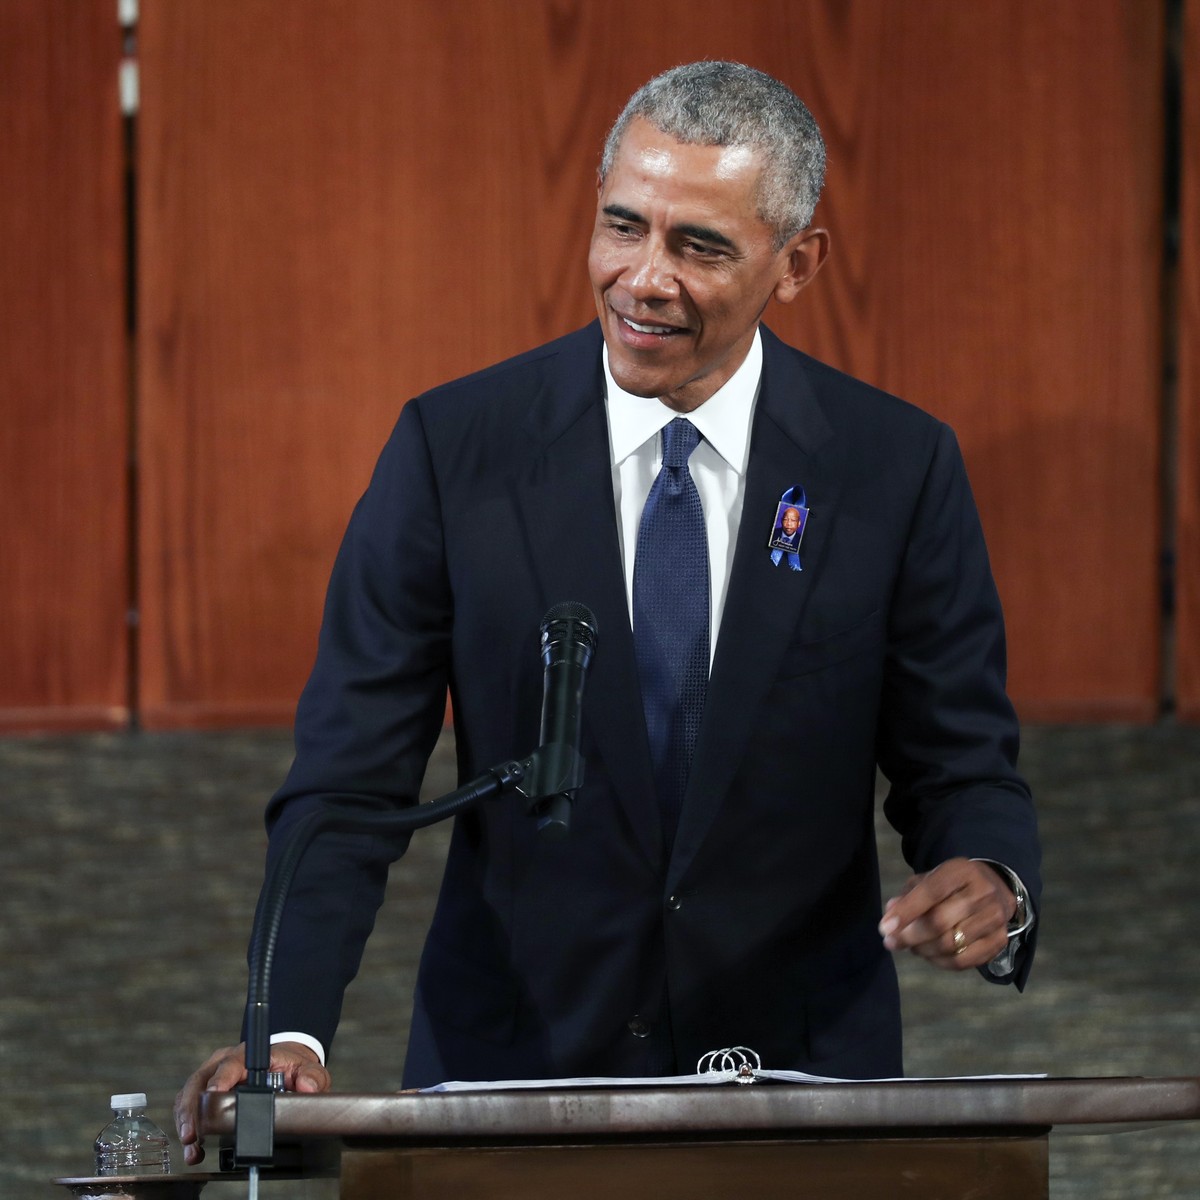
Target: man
(720, 883)
(789, 533)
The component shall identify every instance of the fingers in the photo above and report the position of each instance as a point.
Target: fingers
(302, 1069)
(223, 1071)
(955, 916)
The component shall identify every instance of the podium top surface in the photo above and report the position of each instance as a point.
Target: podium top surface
(722, 1110)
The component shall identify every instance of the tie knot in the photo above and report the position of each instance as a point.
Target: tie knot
(680, 438)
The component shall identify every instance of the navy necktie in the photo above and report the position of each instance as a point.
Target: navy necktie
(670, 618)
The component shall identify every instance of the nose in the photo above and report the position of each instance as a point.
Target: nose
(650, 274)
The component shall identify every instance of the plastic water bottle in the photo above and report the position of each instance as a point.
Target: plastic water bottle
(131, 1143)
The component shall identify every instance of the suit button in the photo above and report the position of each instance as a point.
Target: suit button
(639, 1027)
(674, 903)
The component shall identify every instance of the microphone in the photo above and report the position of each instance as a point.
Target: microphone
(548, 780)
(568, 642)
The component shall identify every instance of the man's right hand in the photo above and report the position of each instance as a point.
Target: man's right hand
(302, 1072)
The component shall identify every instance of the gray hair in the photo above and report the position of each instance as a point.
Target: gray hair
(730, 104)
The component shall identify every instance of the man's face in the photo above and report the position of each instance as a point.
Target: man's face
(682, 265)
(791, 521)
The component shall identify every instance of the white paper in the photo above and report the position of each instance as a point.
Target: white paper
(706, 1078)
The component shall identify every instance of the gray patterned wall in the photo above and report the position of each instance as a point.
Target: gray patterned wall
(130, 867)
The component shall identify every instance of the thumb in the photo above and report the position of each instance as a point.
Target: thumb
(312, 1078)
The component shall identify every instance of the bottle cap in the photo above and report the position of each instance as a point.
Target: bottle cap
(128, 1100)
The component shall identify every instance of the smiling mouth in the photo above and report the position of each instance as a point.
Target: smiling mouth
(645, 328)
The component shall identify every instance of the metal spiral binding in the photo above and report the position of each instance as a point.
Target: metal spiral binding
(739, 1062)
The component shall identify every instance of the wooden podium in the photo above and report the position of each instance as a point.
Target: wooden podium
(929, 1139)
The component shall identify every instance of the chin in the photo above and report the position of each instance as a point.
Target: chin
(636, 377)
(638, 383)
(640, 387)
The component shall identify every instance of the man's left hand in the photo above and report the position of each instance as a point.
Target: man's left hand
(956, 915)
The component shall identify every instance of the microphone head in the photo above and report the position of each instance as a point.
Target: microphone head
(570, 621)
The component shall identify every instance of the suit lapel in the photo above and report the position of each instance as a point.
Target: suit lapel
(791, 445)
(566, 497)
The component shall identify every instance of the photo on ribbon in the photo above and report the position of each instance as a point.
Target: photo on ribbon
(788, 529)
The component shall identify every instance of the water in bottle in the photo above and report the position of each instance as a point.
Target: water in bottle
(131, 1143)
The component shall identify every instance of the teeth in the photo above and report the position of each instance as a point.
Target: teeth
(647, 328)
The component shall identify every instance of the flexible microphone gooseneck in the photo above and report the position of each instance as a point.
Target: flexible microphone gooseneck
(548, 779)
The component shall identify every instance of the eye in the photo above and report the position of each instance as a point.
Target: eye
(701, 249)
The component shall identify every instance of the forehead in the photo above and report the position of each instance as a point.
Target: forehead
(655, 168)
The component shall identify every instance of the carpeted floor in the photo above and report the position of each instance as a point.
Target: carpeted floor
(131, 864)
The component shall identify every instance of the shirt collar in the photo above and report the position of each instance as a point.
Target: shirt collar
(723, 419)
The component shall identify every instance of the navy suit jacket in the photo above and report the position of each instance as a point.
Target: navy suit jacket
(601, 954)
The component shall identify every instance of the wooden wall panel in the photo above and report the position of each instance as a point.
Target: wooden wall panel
(64, 390)
(996, 192)
(344, 204)
(1187, 334)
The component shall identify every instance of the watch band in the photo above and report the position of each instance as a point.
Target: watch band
(1022, 920)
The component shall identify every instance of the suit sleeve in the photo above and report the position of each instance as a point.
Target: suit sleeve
(366, 724)
(948, 735)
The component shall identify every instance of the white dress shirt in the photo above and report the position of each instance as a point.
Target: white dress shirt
(718, 466)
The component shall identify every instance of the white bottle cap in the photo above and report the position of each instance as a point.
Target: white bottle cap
(128, 1100)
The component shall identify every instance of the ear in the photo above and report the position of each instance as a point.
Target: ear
(803, 256)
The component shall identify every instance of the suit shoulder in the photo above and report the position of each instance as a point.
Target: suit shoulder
(490, 421)
(515, 374)
(864, 402)
(848, 400)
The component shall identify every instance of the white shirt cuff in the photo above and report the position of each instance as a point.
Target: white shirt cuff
(304, 1039)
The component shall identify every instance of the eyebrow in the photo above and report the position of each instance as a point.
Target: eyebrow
(703, 233)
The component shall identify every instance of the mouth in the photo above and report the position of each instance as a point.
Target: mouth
(643, 328)
(647, 332)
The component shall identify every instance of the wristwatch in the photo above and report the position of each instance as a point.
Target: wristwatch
(1022, 920)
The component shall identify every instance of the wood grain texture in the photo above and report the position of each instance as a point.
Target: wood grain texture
(63, 369)
(1000, 1168)
(1187, 335)
(996, 194)
(559, 1115)
(341, 208)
